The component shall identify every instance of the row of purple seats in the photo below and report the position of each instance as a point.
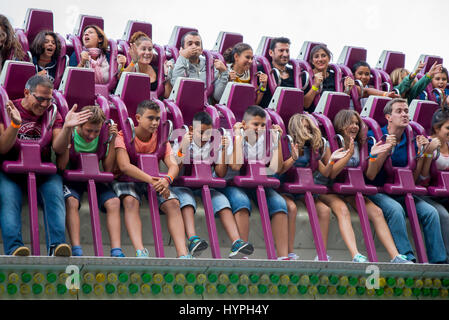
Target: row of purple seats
(78, 88)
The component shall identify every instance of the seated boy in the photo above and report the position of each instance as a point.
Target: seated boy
(196, 145)
(252, 143)
(148, 119)
(85, 139)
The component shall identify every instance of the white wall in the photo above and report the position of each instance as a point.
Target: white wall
(414, 27)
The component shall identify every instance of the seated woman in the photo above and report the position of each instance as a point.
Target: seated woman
(141, 52)
(239, 60)
(362, 71)
(45, 50)
(94, 55)
(10, 47)
(323, 76)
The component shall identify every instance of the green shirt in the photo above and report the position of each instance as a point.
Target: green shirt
(416, 90)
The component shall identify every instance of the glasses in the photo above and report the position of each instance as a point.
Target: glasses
(42, 99)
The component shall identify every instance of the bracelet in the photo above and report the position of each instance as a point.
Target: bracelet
(180, 154)
(169, 178)
(427, 75)
(262, 89)
(332, 162)
(413, 75)
(428, 155)
(372, 159)
(15, 126)
(371, 156)
(385, 94)
(315, 88)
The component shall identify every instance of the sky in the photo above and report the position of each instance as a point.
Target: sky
(413, 27)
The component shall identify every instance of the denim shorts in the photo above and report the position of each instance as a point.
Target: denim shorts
(187, 195)
(240, 198)
(76, 189)
(137, 190)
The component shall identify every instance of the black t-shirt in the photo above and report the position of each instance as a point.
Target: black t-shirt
(289, 82)
(328, 85)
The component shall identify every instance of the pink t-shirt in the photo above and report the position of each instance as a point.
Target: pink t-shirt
(31, 129)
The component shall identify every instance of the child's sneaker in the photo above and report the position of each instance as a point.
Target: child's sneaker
(240, 248)
(284, 258)
(293, 256)
(187, 256)
(117, 253)
(400, 258)
(142, 253)
(327, 256)
(77, 251)
(359, 258)
(197, 246)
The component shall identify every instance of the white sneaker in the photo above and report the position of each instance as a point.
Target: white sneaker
(328, 258)
(293, 256)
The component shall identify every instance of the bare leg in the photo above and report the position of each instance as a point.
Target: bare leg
(292, 212)
(188, 216)
(341, 211)
(132, 221)
(229, 224)
(112, 207)
(324, 217)
(242, 220)
(279, 225)
(73, 220)
(175, 225)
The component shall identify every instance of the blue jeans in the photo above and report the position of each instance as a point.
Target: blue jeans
(239, 198)
(49, 196)
(394, 213)
(187, 195)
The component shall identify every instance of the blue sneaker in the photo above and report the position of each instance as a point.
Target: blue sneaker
(359, 258)
(142, 253)
(117, 253)
(400, 258)
(187, 256)
(197, 246)
(240, 249)
(77, 251)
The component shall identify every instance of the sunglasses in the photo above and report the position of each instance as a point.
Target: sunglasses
(42, 99)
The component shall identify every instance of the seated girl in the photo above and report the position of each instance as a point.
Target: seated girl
(10, 47)
(45, 50)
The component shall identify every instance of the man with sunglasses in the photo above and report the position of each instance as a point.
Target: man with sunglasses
(26, 116)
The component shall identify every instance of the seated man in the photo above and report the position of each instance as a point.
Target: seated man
(192, 64)
(280, 56)
(26, 124)
(396, 112)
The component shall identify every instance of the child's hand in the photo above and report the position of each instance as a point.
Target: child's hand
(295, 151)
(351, 146)
(436, 68)
(392, 94)
(224, 142)
(186, 141)
(42, 73)
(237, 127)
(418, 69)
(112, 130)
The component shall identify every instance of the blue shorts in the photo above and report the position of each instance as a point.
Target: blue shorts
(239, 198)
(137, 190)
(187, 195)
(76, 189)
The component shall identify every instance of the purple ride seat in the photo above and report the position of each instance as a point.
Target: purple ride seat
(159, 52)
(12, 81)
(388, 61)
(131, 90)
(77, 44)
(184, 102)
(400, 180)
(37, 20)
(78, 87)
(236, 98)
(348, 57)
(350, 181)
(285, 103)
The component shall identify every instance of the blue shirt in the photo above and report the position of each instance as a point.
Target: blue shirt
(399, 158)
